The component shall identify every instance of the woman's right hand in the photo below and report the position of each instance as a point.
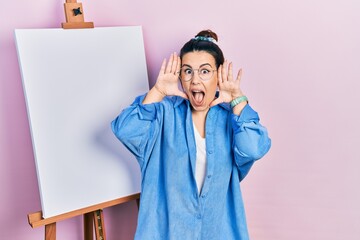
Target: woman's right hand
(167, 81)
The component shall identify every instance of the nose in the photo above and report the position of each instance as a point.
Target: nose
(195, 79)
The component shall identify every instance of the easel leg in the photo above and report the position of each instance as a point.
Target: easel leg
(99, 225)
(50, 231)
(138, 203)
(88, 226)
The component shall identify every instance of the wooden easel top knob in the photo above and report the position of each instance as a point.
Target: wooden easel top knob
(74, 15)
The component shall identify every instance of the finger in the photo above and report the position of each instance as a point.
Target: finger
(162, 69)
(230, 72)
(175, 63)
(178, 66)
(172, 62)
(219, 75)
(238, 78)
(224, 71)
(169, 64)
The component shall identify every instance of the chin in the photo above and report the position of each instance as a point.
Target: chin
(200, 108)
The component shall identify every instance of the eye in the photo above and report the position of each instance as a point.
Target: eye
(188, 71)
(204, 71)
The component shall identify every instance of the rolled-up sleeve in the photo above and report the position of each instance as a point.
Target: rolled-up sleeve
(137, 127)
(251, 141)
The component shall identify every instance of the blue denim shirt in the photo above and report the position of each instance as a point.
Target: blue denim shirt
(161, 136)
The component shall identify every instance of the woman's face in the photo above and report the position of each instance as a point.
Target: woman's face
(201, 92)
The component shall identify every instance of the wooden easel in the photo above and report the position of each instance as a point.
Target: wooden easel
(74, 15)
(93, 217)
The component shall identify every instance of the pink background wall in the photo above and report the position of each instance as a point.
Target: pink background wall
(301, 71)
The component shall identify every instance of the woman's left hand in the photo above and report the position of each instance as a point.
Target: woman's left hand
(229, 88)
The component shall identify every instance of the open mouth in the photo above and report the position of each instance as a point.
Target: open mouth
(198, 96)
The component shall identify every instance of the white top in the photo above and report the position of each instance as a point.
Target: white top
(200, 169)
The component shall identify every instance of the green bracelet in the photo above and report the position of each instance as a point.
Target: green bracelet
(238, 100)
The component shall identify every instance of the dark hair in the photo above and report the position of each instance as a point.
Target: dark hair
(199, 43)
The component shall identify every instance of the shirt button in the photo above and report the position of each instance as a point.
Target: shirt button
(198, 216)
(203, 196)
(210, 151)
(209, 176)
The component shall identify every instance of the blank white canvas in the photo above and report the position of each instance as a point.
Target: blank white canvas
(75, 83)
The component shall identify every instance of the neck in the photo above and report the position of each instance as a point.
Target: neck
(199, 119)
(200, 113)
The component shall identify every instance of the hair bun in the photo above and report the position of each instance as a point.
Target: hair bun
(208, 34)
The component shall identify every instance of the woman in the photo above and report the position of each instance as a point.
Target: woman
(193, 146)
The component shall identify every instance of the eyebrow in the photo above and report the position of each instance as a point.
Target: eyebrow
(204, 64)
